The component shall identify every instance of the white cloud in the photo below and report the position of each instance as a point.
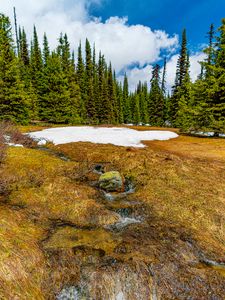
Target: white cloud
(195, 67)
(138, 74)
(123, 44)
(144, 74)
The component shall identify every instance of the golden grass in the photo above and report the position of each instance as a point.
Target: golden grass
(20, 257)
(181, 184)
(182, 189)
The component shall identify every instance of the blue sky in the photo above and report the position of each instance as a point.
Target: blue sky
(169, 15)
(133, 35)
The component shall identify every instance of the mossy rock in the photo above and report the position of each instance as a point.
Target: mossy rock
(111, 182)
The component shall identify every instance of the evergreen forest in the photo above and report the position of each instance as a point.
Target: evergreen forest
(61, 86)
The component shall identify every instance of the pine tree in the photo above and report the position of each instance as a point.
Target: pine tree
(216, 83)
(55, 96)
(136, 112)
(80, 77)
(26, 74)
(210, 51)
(46, 50)
(90, 103)
(163, 86)
(119, 95)
(143, 101)
(36, 69)
(113, 116)
(14, 103)
(126, 104)
(156, 98)
(182, 74)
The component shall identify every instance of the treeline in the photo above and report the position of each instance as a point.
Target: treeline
(39, 84)
(198, 106)
(61, 87)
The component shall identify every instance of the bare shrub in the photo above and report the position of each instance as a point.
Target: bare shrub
(10, 133)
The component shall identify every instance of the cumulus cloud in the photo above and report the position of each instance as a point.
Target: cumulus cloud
(195, 67)
(144, 74)
(130, 48)
(138, 74)
(122, 44)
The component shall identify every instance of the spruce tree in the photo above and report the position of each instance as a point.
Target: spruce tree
(113, 114)
(46, 50)
(216, 82)
(14, 103)
(163, 86)
(156, 98)
(90, 103)
(80, 77)
(182, 75)
(126, 102)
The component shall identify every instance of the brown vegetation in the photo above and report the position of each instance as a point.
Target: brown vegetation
(54, 221)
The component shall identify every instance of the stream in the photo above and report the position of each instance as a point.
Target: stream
(138, 257)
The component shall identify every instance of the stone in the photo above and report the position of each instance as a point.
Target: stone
(111, 182)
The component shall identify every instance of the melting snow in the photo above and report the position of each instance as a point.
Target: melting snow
(117, 136)
(14, 145)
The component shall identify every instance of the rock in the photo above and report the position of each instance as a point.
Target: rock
(111, 182)
(99, 169)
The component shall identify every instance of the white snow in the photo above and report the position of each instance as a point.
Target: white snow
(14, 145)
(7, 142)
(102, 135)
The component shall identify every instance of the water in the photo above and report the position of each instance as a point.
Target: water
(219, 267)
(124, 222)
(70, 293)
(119, 282)
(55, 153)
(129, 189)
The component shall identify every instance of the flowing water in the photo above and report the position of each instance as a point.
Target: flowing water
(136, 258)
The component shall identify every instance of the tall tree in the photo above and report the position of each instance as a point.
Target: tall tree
(163, 86)
(182, 75)
(80, 77)
(126, 102)
(90, 103)
(14, 103)
(156, 98)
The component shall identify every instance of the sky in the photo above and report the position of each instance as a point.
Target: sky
(133, 35)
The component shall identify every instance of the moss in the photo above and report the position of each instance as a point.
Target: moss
(69, 237)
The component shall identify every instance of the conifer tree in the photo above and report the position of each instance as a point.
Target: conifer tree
(163, 86)
(126, 104)
(210, 51)
(156, 98)
(113, 114)
(46, 50)
(216, 83)
(80, 77)
(143, 101)
(119, 95)
(36, 69)
(182, 74)
(14, 103)
(90, 103)
(55, 98)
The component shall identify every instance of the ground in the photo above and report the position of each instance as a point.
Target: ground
(57, 228)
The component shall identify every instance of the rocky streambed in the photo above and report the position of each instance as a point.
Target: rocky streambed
(137, 257)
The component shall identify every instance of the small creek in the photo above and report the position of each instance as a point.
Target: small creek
(135, 258)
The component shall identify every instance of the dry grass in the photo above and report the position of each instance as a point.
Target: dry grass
(181, 187)
(20, 257)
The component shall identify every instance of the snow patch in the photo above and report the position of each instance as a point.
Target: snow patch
(14, 145)
(102, 135)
